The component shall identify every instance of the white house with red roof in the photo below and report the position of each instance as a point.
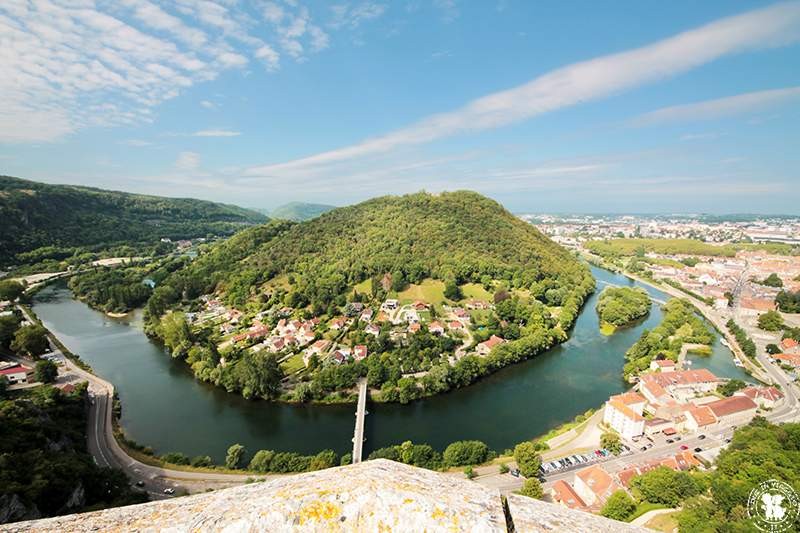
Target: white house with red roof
(623, 413)
(485, 347)
(594, 486)
(790, 346)
(663, 365)
(15, 374)
(360, 352)
(436, 328)
(765, 397)
(373, 329)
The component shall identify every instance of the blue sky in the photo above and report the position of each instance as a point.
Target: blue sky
(624, 106)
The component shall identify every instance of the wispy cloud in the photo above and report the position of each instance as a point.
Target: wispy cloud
(67, 65)
(699, 136)
(208, 104)
(719, 107)
(578, 83)
(216, 133)
(352, 15)
(187, 161)
(136, 143)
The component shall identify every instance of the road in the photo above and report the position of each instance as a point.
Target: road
(106, 451)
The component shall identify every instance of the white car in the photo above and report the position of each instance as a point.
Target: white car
(169, 491)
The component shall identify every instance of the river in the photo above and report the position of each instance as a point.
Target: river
(164, 407)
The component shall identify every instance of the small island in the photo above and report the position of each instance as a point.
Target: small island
(619, 306)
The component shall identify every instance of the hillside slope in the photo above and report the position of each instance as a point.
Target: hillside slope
(299, 211)
(37, 214)
(456, 237)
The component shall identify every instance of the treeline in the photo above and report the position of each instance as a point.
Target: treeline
(745, 342)
(619, 306)
(679, 325)
(122, 288)
(45, 469)
(37, 215)
(617, 248)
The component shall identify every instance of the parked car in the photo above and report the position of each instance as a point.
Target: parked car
(677, 438)
(698, 449)
(701, 437)
(169, 491)
(670, 441)
(515, 472)
(684, 447)
(643, 449)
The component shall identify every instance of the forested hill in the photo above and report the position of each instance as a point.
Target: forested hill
(36, 214)
(457, 237)
(299, 211)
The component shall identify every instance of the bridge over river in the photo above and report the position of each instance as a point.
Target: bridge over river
(361, 413)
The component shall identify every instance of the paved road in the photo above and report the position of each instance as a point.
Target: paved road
(105, 449)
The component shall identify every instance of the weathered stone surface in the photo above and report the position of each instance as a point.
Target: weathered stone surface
(373, 496)
(531, 515)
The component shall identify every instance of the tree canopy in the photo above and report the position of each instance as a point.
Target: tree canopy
(622, 305)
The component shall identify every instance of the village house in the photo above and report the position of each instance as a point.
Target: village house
(789, 359)
(764, 397)
(455, 325)
(485, 347)
(663, 365)
(15, 373)
(390, 305)
(563, 494)
(420, 306)
(360, 352)
(594, 486)
(338, 323)
(790, 346)
(436, 328)
(340, 355)
(680, 385)
(734, 410)
(319, 347)
(699, 417)
(373, 329)
(366, 315)
(623, 413)
(414, 327)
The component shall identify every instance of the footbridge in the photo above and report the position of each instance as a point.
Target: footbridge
(361, 413)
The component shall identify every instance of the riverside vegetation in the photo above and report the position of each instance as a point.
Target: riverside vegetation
(619, 306)
(680, 325)
(448, 245)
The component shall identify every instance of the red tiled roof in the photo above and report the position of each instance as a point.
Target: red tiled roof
(729, 406)
(14, 370)
(703, 415)
(563, 493)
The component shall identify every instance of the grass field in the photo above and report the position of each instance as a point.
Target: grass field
(475, 291)
(365, 287)
(663, 522)
(430, 291)
(293, 364)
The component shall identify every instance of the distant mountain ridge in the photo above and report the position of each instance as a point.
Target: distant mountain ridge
(299, 211)
(36, 214)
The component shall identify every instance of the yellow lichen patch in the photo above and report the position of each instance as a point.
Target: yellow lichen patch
(408, 500)
(319, 511)
(438, 514)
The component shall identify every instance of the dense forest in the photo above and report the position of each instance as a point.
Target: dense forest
(299, 211)
(45, 469)
(619, 306)
(37, 215)
(456, 237)
(680, 326)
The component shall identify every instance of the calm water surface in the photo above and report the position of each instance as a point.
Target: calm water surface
(165, 408)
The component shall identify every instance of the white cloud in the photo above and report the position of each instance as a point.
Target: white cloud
(720, 107)
(187, 161)
(351, 16)
(208, 104)
(582, 82)
(216, 133)
(136, 143)
(66, 65)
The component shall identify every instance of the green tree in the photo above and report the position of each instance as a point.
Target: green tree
(261, 461)
(3, 386)
(773, 349)
(731, 386)
(465, 452)
(202, 461)
(452, 291)
(770, 321)
(8, 326)
(233, 459)
(611, 442)
(532, 488)
(666, 486)
(773, 280)
(176, 458)
(30, 340)
(259, 375)
(10, 290)
(619, 506)
(527, 458)
(324, 459)
(469, 472)
(45, 371)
